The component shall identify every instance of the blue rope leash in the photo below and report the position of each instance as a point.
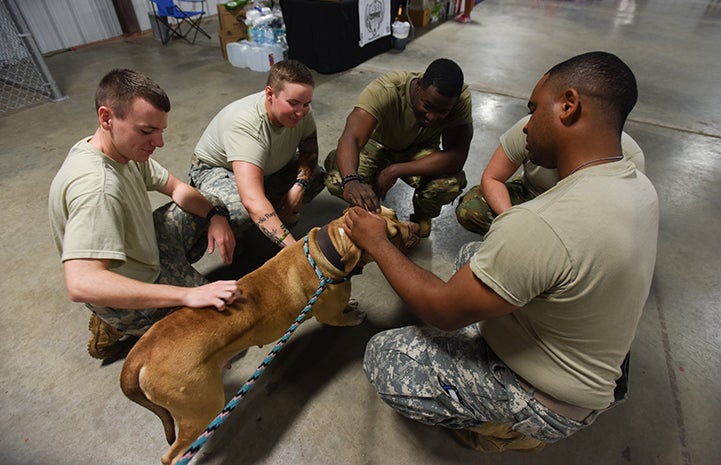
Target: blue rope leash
(230, 406)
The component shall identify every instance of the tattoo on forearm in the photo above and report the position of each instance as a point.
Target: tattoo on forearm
(265, 218)
(277, 236)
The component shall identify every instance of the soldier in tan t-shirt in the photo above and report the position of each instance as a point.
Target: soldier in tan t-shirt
(259, 155)
(128, 264)
(409, 126)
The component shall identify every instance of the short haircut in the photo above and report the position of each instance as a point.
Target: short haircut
(119, 87)
(603, 76)
(289, 71)
(445, 75)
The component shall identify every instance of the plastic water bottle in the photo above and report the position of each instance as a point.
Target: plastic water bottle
(269, 35)
(279, 35)
(258, 35)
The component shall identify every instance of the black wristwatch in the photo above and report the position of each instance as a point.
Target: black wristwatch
(218, 210)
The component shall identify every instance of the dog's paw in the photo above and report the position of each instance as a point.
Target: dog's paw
(352, 305)
(351, 316)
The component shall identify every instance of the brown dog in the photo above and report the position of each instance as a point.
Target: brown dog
(175, 368)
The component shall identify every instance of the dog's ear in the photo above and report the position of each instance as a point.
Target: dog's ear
(391, 227)
(391, 221)
(396, 230)
(350, 253)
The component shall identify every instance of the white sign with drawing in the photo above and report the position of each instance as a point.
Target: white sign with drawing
(374, 18)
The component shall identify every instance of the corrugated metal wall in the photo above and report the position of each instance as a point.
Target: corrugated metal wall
(141, 11)
(62, 24)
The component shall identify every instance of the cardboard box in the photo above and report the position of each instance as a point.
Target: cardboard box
(420, 5)
(420, 18)
(230, 19)
(239, 30)
(231, 27)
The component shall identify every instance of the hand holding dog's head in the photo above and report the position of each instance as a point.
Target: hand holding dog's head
(405, 235)
(361, 228)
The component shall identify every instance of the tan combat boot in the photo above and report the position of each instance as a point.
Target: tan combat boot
(497, 437)
(105, 341)
(424, 223)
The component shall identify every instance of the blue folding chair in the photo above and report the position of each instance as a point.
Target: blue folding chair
(176, 22)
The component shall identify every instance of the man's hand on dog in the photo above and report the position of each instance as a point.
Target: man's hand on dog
(365, 229)
(216, 294)
(362, 195)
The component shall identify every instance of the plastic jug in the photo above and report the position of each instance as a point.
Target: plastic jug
(237, 53)
(258, 57)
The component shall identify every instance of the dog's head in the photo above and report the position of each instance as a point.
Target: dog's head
(403, 234)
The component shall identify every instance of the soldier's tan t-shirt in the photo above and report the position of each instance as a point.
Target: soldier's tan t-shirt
(100, 209)
(578, 262)
(242, 131)
(388, 100)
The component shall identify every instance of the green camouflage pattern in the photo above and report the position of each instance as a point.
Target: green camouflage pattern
(474, 214)
(431, 193)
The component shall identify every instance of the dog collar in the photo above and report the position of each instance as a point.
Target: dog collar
(331, 253)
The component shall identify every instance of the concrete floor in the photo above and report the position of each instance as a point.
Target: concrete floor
(314, 405)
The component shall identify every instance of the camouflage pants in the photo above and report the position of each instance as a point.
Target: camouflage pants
(431, 193)
(474, 214)
(453, 379)
(220, 182)
(182, 240)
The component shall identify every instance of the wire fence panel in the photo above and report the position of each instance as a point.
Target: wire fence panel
(24, 79)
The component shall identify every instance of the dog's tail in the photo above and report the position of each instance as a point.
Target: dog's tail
(130, 384)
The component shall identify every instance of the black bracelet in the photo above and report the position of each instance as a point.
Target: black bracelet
(218, 210)
(303, 183)
(350, 178)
